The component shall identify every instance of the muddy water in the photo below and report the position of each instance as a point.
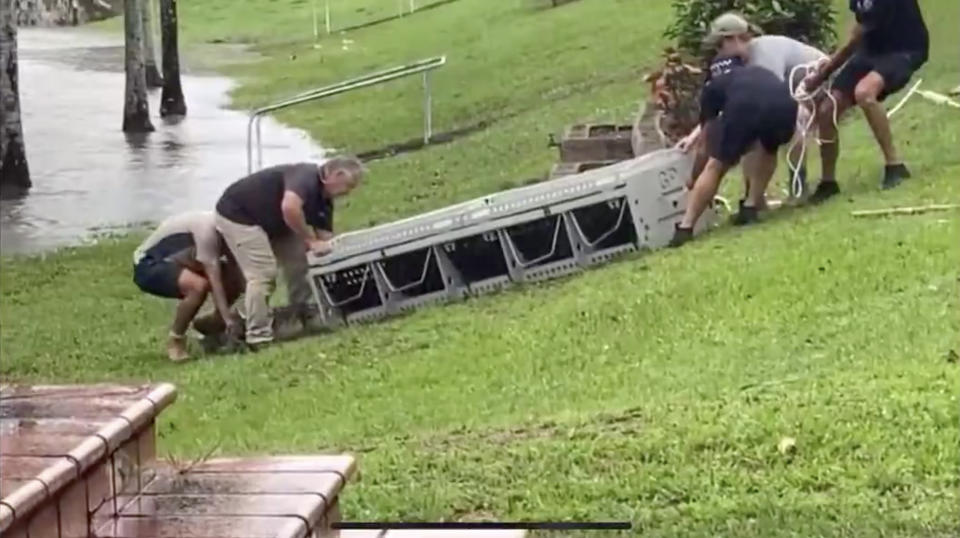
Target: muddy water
(88, 177)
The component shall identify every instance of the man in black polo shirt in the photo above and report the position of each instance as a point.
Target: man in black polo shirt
(274, 215)
(744, 110)
(889, 42)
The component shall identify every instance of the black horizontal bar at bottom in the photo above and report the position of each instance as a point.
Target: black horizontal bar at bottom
(500, 525)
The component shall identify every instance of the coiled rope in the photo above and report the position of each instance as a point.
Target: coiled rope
(808, 100)
(804, 98)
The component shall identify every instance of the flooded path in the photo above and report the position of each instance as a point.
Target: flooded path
(88, 177)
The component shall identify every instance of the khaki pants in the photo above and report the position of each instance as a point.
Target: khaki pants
(257, 255)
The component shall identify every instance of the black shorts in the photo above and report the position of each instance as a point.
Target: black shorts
(896, 68)
(158, 277)
(731, 136)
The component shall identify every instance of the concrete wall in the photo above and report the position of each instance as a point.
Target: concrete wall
(64, 12)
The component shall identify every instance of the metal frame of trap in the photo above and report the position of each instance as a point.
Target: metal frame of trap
(528, 234)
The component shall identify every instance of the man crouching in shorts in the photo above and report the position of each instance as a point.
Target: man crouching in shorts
(185, 258)
(889, 42)
(743, 110)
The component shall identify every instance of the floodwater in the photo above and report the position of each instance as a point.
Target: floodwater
(88, 177)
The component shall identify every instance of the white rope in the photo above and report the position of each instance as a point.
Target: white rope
(722, 201)
(804, 98)
(903, 101)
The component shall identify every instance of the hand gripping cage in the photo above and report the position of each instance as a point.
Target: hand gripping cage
(526, 234)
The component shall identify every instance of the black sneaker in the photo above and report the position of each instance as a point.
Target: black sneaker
(680, 236)
(825, 190)
(893, 175)
(745, 216)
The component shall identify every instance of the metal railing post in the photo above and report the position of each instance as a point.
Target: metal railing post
(253, 117)
(327, 16)
(370, 79)
(427, 109)
(259, 146)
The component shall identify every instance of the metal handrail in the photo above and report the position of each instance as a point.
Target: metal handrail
(370, 79)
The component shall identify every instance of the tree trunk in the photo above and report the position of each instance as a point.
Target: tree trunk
(154, 80)
(171, 100)
(14, 173)
(136, 108)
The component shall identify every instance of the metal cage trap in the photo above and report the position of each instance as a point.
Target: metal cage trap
(532, 233)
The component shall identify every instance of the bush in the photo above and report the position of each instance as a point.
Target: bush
(810, 21)
(674, 89)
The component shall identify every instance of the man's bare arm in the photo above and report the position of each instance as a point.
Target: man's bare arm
(292, 208)
(841, 56)
(215, 276)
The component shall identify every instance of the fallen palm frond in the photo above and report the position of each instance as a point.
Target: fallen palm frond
(904, 210)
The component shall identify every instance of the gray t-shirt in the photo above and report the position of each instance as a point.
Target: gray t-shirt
(780, 54)
(188, 236)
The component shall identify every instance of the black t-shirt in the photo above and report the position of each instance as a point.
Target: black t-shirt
(731, 85)
(892, 26)
(255, 200)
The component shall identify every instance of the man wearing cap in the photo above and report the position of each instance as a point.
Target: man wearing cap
(887, 44)
(276, 215)
(743, 109)
(788, 59)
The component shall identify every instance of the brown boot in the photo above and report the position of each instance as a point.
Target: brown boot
(177, 348)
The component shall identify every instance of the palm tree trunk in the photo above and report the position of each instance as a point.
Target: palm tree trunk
(154, 80)
(136, 108)
(171, 100)
(14, 173)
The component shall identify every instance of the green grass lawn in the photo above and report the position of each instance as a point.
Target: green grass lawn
(655, 389)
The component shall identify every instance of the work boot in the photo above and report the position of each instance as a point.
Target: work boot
(826, 189)
(893, 175)
(681, 235)
(177, 348)
(745, 216)
(287, 322)
(259, 346)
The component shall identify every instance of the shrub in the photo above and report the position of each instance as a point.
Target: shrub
(674, 89)
(810, 21)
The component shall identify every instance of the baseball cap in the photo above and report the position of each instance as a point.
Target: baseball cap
(727, 25)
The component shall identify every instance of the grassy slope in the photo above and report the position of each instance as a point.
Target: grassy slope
(654, 390)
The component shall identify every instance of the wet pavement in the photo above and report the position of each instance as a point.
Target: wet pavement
(88, 177)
